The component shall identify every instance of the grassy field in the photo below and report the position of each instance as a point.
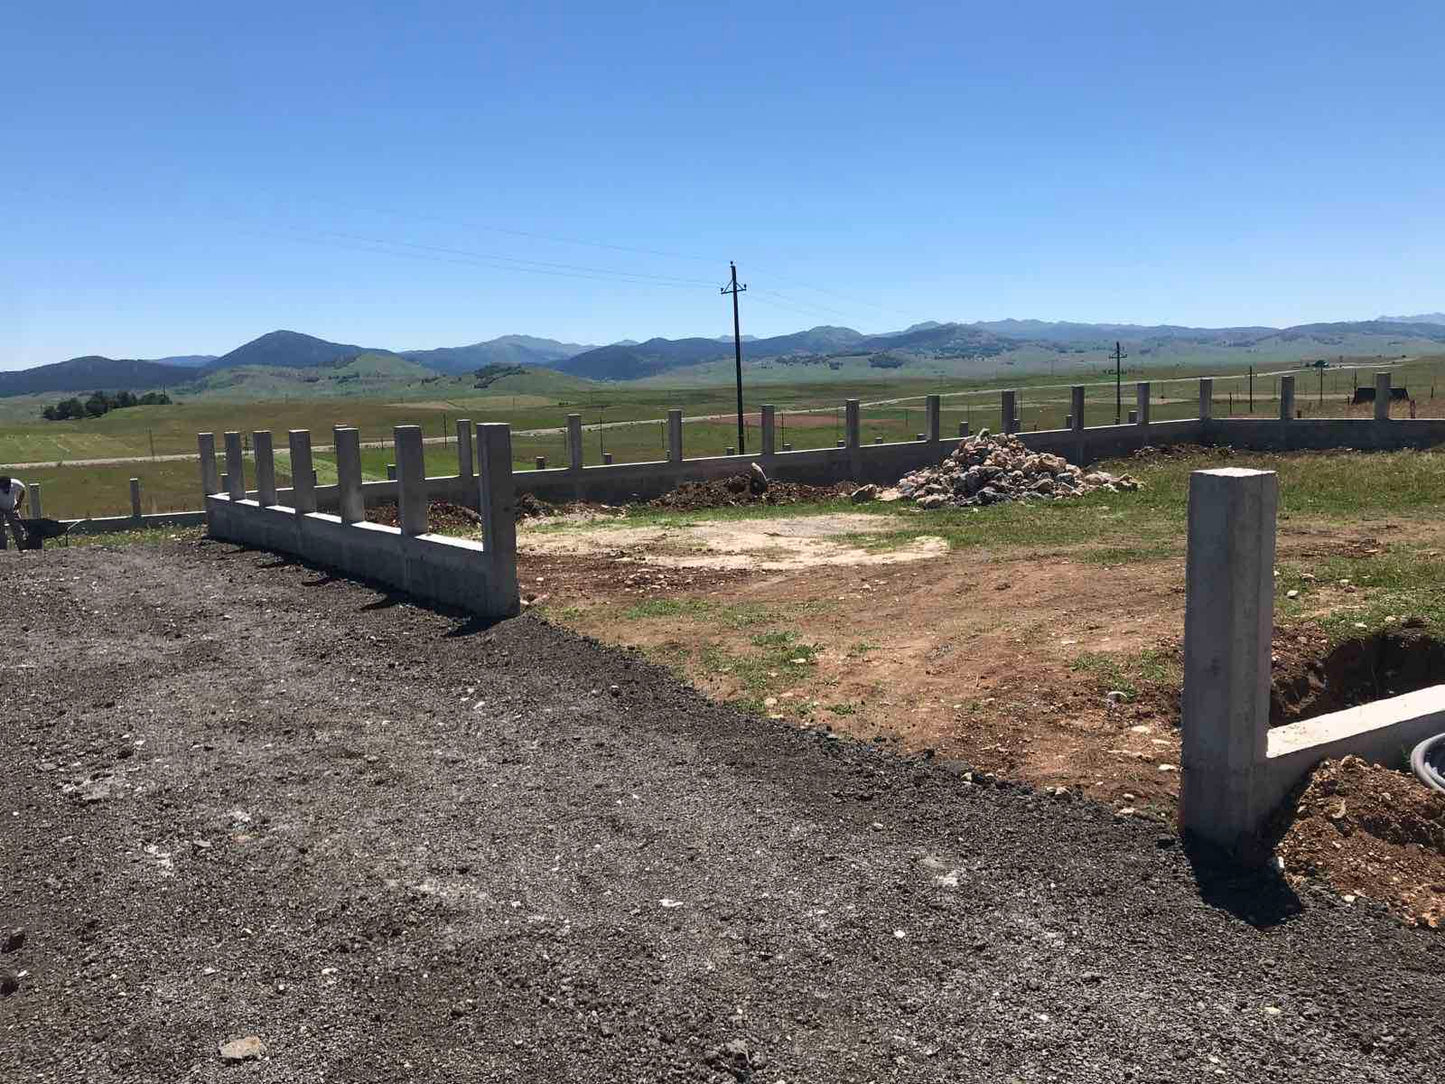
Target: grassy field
(810, 415)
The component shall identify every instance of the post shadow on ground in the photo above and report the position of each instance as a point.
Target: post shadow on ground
(1246, 882)
(468, 624)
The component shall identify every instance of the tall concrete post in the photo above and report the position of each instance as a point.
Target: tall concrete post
(135, 498)
(351, 507)
(1076, 406)
(1286, 397)
(852, 423)
(1141, 401)
(497, 501)
(303, 472)
(410, 479)
(933, 413)
(235, 468)
(265, 468)
(674, 436)
(210, 482)
(1009, 411)
(466, 458)
(768, 417)
(37, 509)
(1206, 398)
(1382, 397)
(391, 469)
(1228, 622)
(963, 429)
(574, 441)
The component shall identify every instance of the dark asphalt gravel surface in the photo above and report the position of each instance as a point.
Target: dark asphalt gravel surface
(243, 798)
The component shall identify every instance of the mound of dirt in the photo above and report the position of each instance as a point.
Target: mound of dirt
(442, 517)
(1149, 453)
(741, 489)
(988, 469)
(1373, 832)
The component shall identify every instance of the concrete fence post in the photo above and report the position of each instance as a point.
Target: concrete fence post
(410, 479)
(351, 507)
(1382, 397)
(962, 429)
(1286, 397)
(1141, 401)
(574, 441)
(1228, 623)
(466, 459)
(303, 473)
(37, 509)
(768, 421)
(1206, 398)
(235, 467)
(852, 423)
(135, 498)
(1076, 403)
(265, 468)
(1008, 411)
(674, 436)
(210, 482)
(497, 502)
(391, 469)
(932, 408)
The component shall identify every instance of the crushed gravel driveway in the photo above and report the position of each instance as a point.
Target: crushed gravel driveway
(243, 798)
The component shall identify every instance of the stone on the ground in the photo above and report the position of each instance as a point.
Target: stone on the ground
(864, 494)
(989, 469)
(15, 939)
(757, 478)
(248, 1049)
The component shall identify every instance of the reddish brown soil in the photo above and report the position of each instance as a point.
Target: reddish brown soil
(1371, 832)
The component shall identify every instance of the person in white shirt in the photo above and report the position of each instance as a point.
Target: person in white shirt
(12, 496)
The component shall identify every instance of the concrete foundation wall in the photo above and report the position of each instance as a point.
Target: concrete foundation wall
(1237, 771)
(878, 463)
(454, 572)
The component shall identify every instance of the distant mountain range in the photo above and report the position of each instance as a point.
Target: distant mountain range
(507, 350)
(629, 360)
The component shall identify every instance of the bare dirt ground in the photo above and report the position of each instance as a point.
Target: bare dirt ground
(992, 657)
(247, 800)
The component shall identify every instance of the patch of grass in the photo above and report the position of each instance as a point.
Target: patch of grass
(1401, 581)
(843, 709)
(149, 536)
(670, 607)
(1108, 670)
(862, 648)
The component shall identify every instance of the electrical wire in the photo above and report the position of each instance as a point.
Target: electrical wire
(1427, 761)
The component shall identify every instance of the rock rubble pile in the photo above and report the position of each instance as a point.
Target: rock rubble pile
(989, 469)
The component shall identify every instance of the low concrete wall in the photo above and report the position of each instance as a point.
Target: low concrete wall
(480, 577)
(1236, 770)
(877, 463)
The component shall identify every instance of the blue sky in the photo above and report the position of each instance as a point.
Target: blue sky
(175, 179)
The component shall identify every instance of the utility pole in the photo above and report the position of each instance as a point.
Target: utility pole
(733, 288)
(1119, 357)
(1251, 389)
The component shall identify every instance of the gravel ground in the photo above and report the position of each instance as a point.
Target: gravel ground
(246, 799)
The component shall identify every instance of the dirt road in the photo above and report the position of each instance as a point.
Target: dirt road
(244, 798)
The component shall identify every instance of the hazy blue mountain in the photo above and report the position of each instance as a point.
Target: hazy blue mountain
(506, 350)
(1420, 318)
(633, 361)
(291, 350)
(188, 361)
(94, 373)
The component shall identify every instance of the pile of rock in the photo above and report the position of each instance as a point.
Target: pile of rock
(988, 469)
